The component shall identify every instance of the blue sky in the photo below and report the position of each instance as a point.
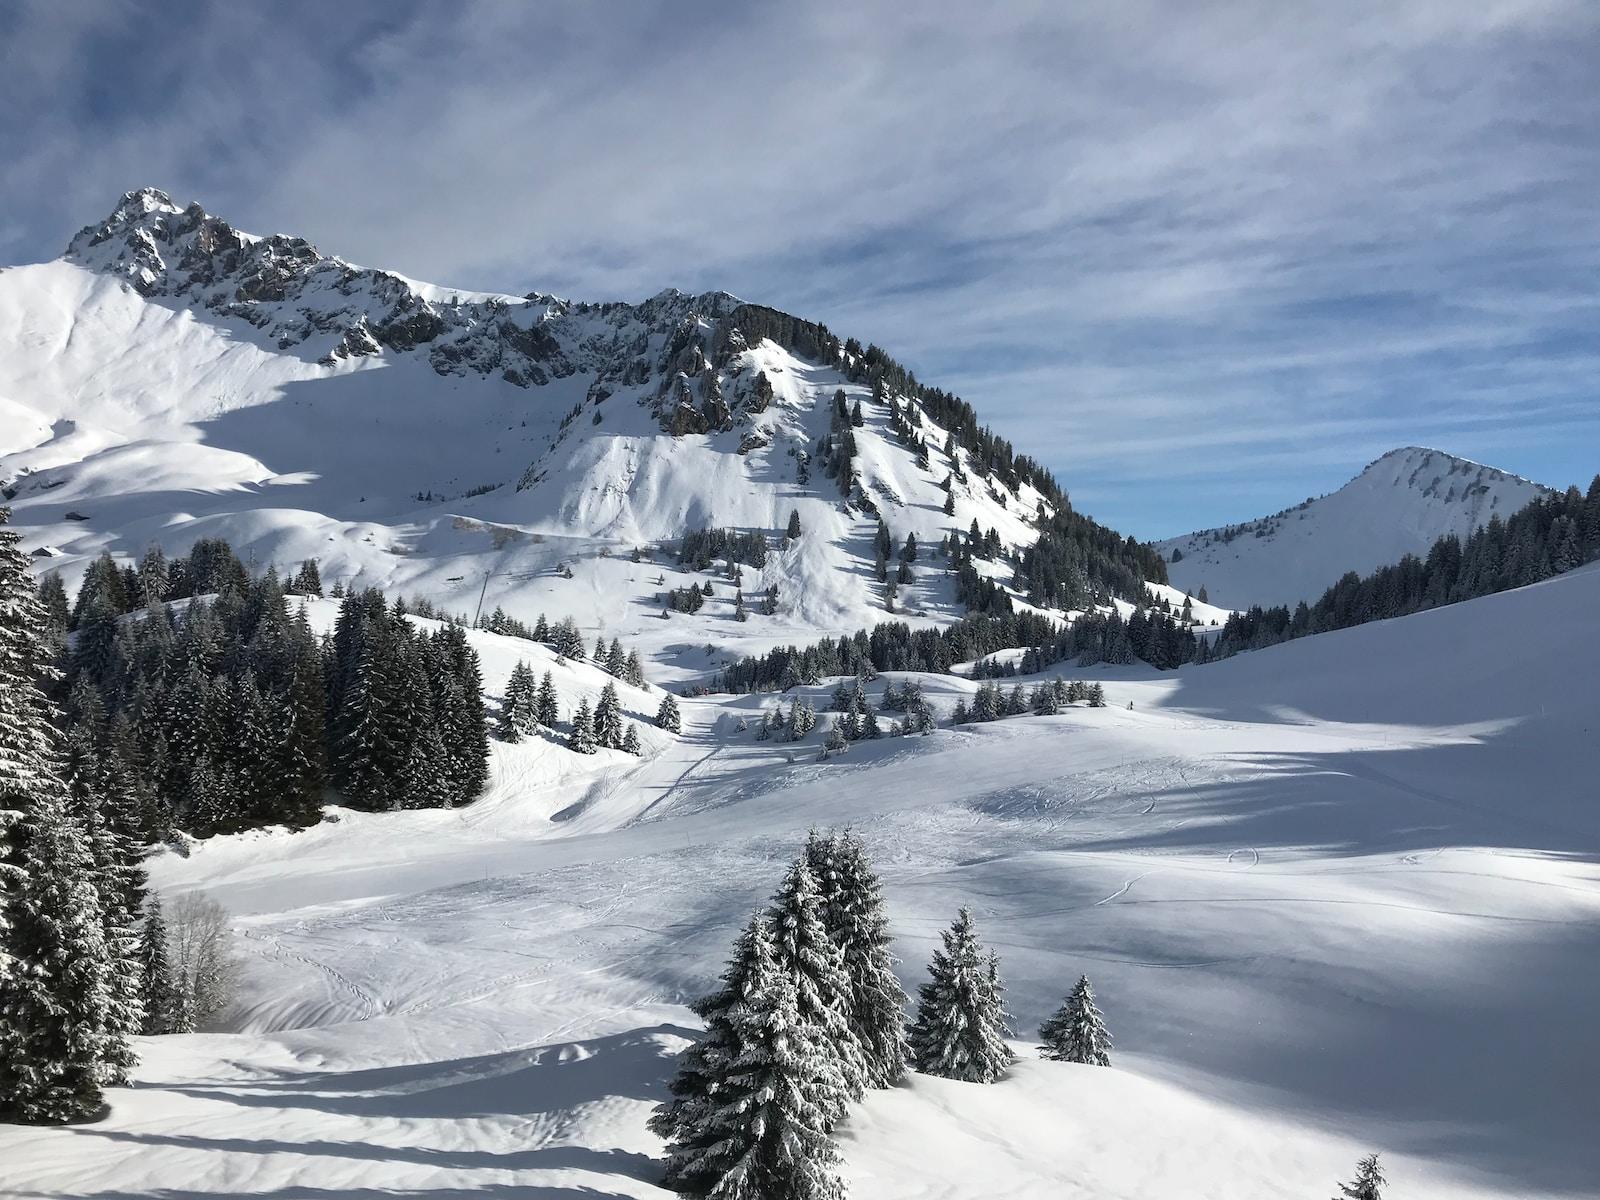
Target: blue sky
(1203, 260)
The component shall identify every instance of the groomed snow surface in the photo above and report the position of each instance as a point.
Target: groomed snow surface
(1335, 897)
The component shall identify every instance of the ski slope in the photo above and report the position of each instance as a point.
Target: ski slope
(1337, 896)
(1401, 504)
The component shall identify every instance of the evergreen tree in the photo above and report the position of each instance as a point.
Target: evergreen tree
(28, 740)
(667, 715)
(608, 718)
(815, 962)
(1076, 1032)
(633, 671)
(960, 1029)
(162, 1004)
(630, 741)
(155, 578)
(852, 911)
(792, 531)
(703, 1066)
(582, 736)
(616, 661)
(763, 1132)
(1368, 1183)
(426, 781)
(566, 641)
(119, 880)
(56, 1002)
(548, 705)
(308, 580)
(52, 596)
(463, 721)
(519, 710)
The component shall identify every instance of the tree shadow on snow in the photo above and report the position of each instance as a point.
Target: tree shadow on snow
(535, 1088)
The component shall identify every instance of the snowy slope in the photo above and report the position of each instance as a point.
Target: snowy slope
(1335, 896)
(1401, 504)
(172, 378)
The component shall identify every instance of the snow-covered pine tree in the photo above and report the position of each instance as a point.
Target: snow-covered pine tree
(56, 1001)
(703, 1066)
(986, 702)
(807, 951)
(548, 705)
(519, 708)
(28, 746)
(762, 1133)
(162, 1004)
(836, 742)
(667, 715)
(1076, 1032)
(959, 714)
(1368, 1183)
(867, 724)
(848, 724)
(608, 718)
(852, 911)
(630, 740)
(581, 739)
(566, 641)
(600, 651)
(616, 662)
(1096, 696)
(425, 780)
(633, 670)
(308, 580)
(805, 718)
(960, 1029)
(119, 880)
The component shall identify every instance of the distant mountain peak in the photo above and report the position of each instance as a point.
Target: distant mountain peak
(1399, 504)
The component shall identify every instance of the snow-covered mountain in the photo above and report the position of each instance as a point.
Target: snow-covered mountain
(1401, 504)
(171, 378)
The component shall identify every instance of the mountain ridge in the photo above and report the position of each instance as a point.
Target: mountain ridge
(174, 378)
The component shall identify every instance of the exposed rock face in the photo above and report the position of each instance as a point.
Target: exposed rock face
(688, 346)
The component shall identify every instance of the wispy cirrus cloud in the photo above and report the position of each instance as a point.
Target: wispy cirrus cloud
(1198, 258)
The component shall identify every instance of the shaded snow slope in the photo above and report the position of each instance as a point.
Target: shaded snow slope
(1337, 896)
(1401, 504)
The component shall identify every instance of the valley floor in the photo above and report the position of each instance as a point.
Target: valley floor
(1334, 897)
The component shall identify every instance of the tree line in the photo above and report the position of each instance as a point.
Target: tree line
(228, 712)
(1548, 536)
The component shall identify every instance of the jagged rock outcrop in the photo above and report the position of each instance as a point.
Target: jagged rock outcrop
(687, 347)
